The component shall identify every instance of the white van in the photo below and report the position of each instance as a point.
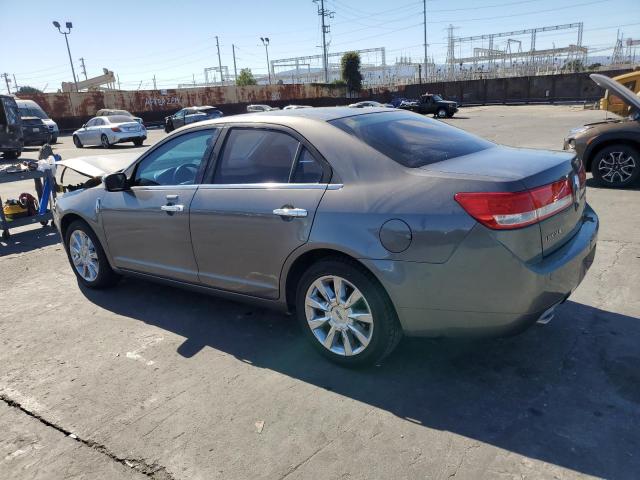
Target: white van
(29, 108)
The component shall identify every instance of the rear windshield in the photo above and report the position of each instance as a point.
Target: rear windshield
(32, 112)
(411, 139)
(119, 118)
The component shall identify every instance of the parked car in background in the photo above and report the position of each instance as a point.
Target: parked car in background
(610, 149)
(34, 131)
(11, 141)
(190, 115)
(105, 112)
(293, 107)
(476, 239)
(109, 130)
(29, 108)
(370, 103)
(431, 103)
(260, 108)
(615, 104)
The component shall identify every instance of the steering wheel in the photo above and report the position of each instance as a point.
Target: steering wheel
(185, 174)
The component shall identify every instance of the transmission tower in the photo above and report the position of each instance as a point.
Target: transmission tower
(323, 13)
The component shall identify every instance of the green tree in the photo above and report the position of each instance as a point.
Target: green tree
(351, 70)
(594, 66)
(245, 78)
(27, 90)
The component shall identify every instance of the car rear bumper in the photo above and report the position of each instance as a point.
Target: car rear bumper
(127, 136)
(484, 289)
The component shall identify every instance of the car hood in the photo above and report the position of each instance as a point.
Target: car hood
(447, 101)
(99, 165)
(626, 95)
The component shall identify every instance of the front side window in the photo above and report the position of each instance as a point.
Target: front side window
(410, 139)
(178, 161)
(256, 156)
(92, 123)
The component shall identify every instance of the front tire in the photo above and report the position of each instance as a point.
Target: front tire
(617, 166)
(77, 142)
(104, 141)
(441, 113)
(87, 258)
(346, 314)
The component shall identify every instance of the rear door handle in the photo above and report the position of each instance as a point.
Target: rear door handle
(290, 212)
(172, 208)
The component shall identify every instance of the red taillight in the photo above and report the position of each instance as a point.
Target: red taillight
(505, 210)
(115, 129)
(582, 175)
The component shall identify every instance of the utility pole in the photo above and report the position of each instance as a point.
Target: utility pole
(424, 22)
(235, 70)
(84, 69)
(15, 83)
(265, 42)
(6, 80)
(219, 61)
(323, 13)
(69, 26)
(154, 82)
(118, 77)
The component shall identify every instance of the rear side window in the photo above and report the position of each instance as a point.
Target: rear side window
(307, 170)
(256, 156)
(410, 139)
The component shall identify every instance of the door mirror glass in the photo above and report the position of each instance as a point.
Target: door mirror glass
(115, 182)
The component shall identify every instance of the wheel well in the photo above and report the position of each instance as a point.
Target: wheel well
(302, 263)
(66, 221)
(608, 143)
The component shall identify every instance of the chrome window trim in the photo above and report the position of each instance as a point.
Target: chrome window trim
(271, 186)
(192, 186)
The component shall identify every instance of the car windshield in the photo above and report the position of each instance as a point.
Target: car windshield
(119, 118)
(410, 139)
(437, 98)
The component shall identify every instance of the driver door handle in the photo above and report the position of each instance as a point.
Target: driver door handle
(172, 208)
(290, 212)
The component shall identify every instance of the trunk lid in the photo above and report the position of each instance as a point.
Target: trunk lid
(518, 169)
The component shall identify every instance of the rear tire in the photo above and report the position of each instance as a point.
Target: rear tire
(12, 155)
(80, 254)
(77, 142)
(138, 142)
(617, 166)
(54, 140)
(379, 327)
(104, 141)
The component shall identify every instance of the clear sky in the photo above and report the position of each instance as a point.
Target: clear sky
(176, 39)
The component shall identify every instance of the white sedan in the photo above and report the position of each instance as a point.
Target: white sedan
(109, 130)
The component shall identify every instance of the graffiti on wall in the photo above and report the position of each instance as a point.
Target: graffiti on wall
(150, 102)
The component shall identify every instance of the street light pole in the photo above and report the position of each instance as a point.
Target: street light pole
(69, 26)
(265, 42)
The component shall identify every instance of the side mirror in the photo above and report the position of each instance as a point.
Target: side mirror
(115, 182)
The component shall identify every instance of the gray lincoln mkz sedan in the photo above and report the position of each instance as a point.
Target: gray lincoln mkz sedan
(366, 223)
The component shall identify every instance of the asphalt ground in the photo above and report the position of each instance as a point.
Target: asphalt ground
(150, 381)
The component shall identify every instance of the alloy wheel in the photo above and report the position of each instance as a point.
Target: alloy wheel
(84, 255)
(338, 315)
(105, 141)
(616, 167)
